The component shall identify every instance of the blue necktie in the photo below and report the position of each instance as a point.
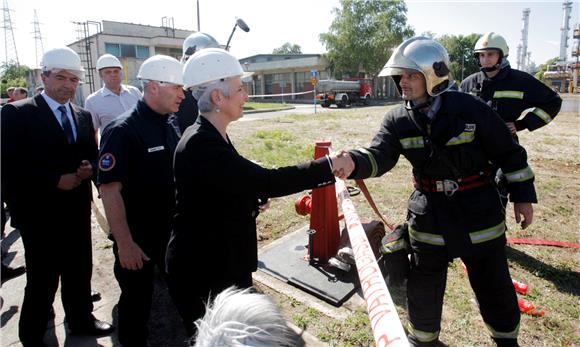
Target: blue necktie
(66, 125)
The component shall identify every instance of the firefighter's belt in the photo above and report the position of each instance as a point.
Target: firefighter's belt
(450, 186)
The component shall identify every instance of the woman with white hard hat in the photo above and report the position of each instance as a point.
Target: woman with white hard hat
(220, 193)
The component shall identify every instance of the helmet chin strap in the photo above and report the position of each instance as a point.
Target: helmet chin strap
(411, 106)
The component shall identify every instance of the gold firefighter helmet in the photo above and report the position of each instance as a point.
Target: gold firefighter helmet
(426, 56)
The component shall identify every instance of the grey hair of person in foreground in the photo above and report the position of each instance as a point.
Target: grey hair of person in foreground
(242, 318)
(203, 94)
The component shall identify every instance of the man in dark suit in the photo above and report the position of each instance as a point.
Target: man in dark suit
(48, 145)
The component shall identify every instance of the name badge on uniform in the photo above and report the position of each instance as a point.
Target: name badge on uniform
(469, 127)
(155, 149)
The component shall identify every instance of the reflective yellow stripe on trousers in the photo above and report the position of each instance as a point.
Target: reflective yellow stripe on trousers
(422, 336)
(501, 335)
(476, 237)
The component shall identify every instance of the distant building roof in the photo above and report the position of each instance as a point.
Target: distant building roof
(260, 58)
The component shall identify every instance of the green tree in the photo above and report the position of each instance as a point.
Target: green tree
(12, 75)
(287, 48)
(543, 68)
(363, 35)
(460, 49)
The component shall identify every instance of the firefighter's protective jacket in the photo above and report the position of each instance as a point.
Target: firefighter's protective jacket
(517, 96)
(464, 139)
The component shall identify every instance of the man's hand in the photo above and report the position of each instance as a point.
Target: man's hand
(526, 210)
(512, 127)
(342, 165)
(68, 182)
(131, 256)
(85, 170)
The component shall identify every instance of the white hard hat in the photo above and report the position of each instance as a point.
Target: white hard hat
(108, 60)
(196, 42)
(63, 58)
(426, 56)
(161, 68)
(210, 65)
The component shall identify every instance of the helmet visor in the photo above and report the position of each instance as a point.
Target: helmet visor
(395, 71)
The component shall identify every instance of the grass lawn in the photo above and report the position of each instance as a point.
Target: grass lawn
(262, 106)
(552, 273)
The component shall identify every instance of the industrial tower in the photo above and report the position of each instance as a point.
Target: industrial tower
(9, 41)
(38, 46)
(567, 7)
(522, 55)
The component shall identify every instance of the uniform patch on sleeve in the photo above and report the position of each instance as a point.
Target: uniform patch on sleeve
(107, 162)
(469, 127)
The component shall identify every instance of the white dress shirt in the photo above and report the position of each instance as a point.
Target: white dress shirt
(54, 105)
(105, 106)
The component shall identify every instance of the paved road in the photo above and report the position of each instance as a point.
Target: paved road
(571, 103)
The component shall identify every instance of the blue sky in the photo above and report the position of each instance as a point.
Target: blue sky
(274, 22)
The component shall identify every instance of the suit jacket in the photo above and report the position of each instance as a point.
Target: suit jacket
(35, 153)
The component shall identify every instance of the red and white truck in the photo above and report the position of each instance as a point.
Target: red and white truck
(343, 92)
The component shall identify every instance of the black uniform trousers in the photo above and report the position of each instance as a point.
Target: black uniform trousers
(60, 248)
(489, 277)
(191, 293)
(134, 304)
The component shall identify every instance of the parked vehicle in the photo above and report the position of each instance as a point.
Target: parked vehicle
(343, 92)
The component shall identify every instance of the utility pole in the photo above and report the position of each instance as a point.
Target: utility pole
(9, 41)
(38, 46)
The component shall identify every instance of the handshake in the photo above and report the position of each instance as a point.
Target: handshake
(342, 164)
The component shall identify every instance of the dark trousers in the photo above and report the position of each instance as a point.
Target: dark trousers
(134, 305)
(56, 250)
(489, 277)
(190, 294)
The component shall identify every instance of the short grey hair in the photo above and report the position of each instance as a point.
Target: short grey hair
(242, 318)
(203, 94)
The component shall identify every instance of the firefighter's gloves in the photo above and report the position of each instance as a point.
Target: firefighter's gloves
(395, 249)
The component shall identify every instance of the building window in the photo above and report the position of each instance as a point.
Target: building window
(302, 80)
(142, 52)
(127, 51)
(113, 48)
(269, 84)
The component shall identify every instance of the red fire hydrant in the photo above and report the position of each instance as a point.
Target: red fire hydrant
(324, 215)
